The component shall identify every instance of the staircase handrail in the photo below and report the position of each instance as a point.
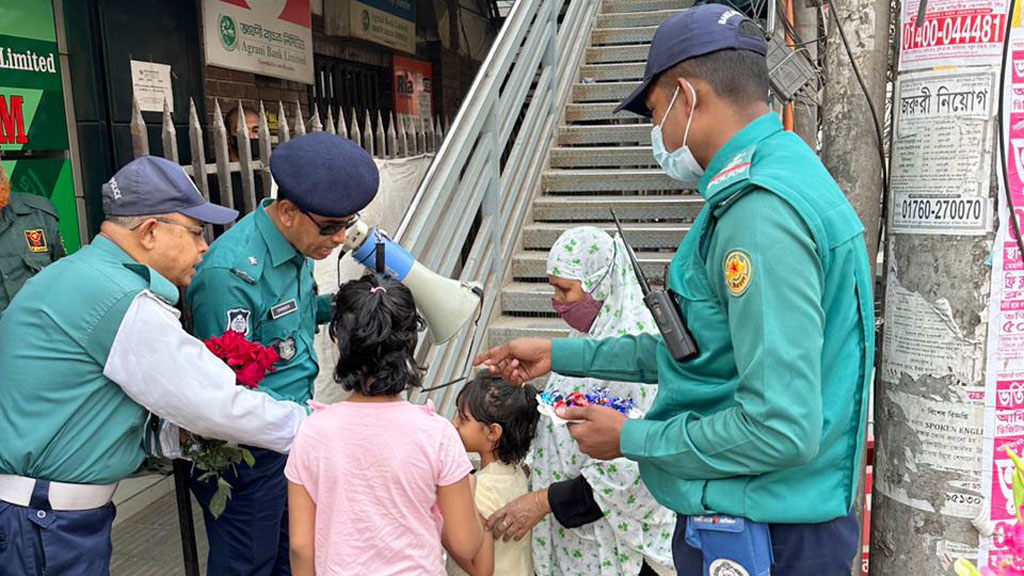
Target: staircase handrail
(491, 161)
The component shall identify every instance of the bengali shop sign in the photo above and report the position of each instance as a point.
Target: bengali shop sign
(268, 37)
(952, 33)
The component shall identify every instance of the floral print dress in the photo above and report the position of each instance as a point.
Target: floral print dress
(634, 526)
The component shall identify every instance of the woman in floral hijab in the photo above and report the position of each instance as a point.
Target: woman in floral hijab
(603, 520)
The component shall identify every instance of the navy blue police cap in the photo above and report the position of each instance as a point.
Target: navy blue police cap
(691, 33)
(152, 185)
(325, 174)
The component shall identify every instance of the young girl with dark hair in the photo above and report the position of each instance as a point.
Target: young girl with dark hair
(497, 420)
(372, 479)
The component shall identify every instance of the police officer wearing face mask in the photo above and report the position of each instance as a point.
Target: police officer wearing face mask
(767, 423)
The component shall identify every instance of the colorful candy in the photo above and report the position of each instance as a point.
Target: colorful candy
(597, 397)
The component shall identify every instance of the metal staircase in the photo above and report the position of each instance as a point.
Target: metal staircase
(598, 161)
(533, 151)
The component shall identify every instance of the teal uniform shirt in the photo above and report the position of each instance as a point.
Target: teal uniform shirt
(29, 240)
(255, 282)
(61, 419)
(773, 280)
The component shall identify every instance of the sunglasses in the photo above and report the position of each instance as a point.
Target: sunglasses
(334, 227)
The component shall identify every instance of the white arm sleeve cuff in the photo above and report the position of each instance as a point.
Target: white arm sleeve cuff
(174, 376)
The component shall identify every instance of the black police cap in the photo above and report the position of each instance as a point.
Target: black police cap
(325, 174)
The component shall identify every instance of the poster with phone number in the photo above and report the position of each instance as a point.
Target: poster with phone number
(952, 33)
(1004, 378)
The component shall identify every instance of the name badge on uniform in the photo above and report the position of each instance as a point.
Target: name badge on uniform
(283, 309)
(36, 240)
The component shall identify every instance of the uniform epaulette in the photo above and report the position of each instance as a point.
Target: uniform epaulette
(35, 201)
(735, 171)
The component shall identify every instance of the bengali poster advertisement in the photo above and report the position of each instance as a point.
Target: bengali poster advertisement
(942, 160)
(1004, 378)
(951, 33)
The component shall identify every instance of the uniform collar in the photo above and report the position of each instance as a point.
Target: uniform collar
(281, 250)
(159, 285)
(749, 136)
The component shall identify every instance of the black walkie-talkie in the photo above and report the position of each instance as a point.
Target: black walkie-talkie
(677, 337)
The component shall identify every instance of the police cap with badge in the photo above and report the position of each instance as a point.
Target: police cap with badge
(694, 32)
(325, 174)
(151, 185)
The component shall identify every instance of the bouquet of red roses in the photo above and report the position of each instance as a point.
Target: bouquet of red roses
(251, 362)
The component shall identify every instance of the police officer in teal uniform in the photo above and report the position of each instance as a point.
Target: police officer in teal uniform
(29, 239)
(91, 350)
(258, 280)
(767, 423)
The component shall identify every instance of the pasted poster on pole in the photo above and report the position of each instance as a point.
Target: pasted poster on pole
(268, 37)
(952, 33)
(413, 89)
(33, 128)
(1004, 378)
(942, 153)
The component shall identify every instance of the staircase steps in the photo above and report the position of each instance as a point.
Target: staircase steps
(599, 161)
(606, 156)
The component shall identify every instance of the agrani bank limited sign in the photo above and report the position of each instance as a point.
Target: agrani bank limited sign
(33, 127)
(268, 37)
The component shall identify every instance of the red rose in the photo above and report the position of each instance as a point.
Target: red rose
(249, 360)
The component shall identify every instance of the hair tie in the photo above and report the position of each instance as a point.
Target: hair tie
(376, 289)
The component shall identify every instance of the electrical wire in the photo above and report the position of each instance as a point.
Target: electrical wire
(874, 115)
(1002, 124)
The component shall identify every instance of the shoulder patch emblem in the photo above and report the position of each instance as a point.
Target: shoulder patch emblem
(238, 320)
(36, 240)
(737, 271)
(723, 567)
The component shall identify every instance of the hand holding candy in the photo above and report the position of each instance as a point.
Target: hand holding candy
(551, 403)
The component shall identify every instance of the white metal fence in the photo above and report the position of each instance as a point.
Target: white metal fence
(475, 196)
(398, 139)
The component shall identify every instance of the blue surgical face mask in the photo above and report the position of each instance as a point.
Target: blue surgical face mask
(680, 163)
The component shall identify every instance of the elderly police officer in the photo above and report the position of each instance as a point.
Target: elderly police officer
(258, 280)
(767, 422)
(89, 348)
(29, 239)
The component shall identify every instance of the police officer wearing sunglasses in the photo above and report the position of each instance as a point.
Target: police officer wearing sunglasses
(258, 280)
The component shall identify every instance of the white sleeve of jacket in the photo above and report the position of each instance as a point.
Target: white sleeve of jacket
(175, 376)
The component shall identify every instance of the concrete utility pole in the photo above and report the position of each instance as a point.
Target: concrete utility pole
(805, 23)
(929, 402)
(849, 147)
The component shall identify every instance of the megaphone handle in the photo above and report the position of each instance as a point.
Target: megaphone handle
(380, 256)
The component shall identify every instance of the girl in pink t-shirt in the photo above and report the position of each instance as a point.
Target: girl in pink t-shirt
(374, 482)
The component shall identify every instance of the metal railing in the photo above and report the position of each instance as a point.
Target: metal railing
(489, 166)
(400, 139)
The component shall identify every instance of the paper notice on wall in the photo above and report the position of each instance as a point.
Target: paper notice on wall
(1004, 375)
(952, 33)
(151, 85)
(922, 338)
(944, 441)
(942, 153)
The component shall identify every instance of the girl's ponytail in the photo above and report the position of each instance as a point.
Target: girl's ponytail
(375, 328)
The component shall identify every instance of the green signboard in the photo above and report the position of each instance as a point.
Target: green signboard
(33, 128)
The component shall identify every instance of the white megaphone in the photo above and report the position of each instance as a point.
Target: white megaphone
(446, 304)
